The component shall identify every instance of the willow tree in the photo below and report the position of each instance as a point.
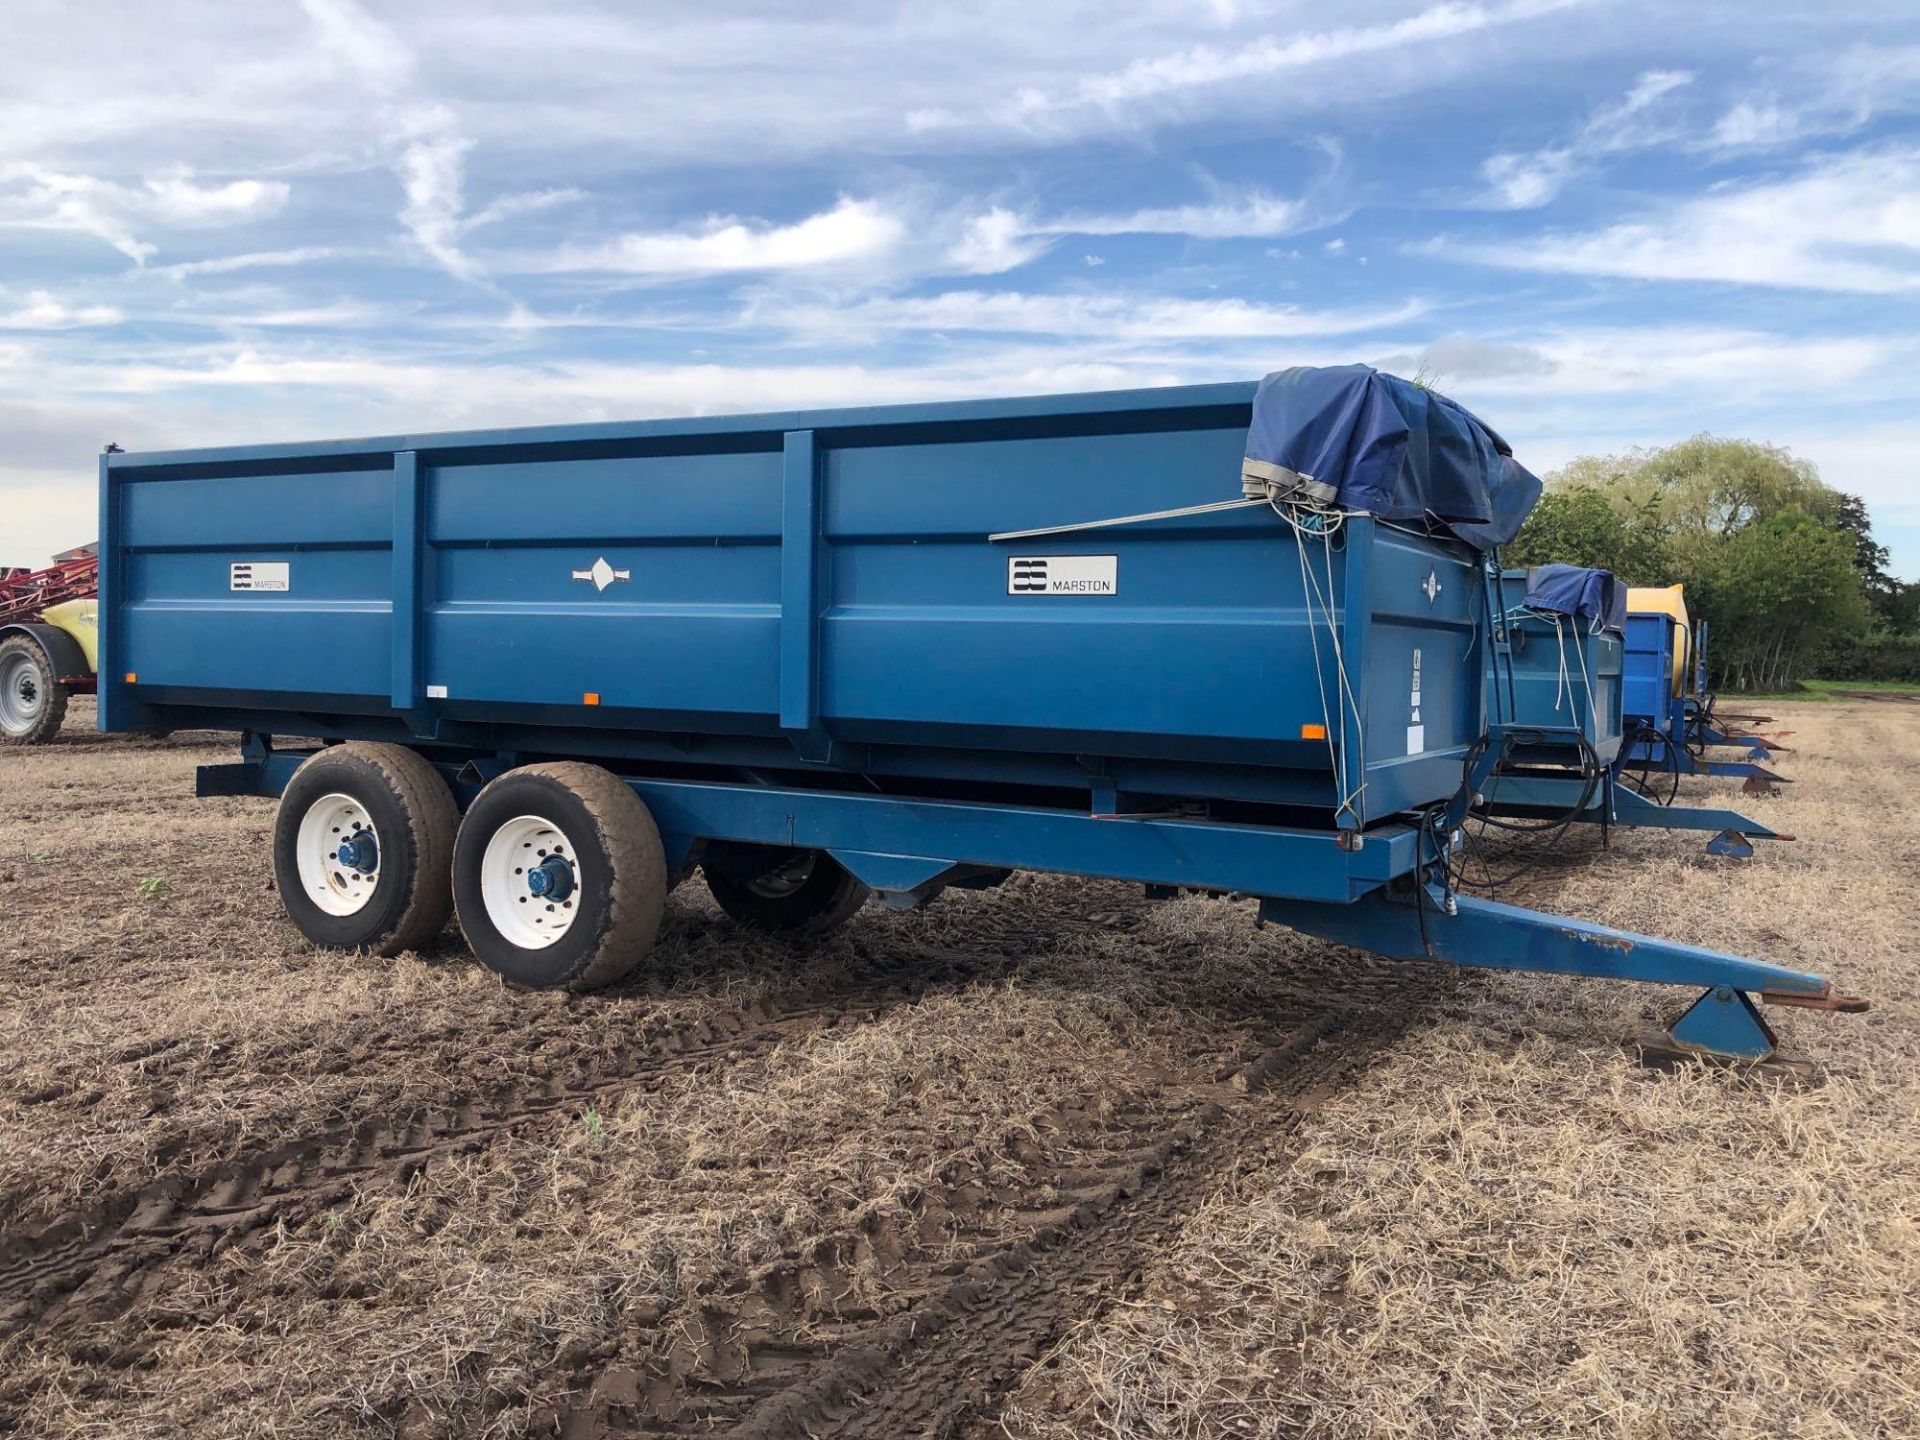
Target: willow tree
(1769, 554)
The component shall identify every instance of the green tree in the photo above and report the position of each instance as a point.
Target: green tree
(1579, 525)
(1899, 606)
(1778, 562)
(1713, 487)
(1779, 591)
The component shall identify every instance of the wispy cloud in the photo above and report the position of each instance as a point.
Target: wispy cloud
(852, 231)
(1526, 180)
(34, 196)
(1254, 213)
(432, 170)
(260, 260)
(1107, 316)
(997, 241)
(430, 144)
(1202, 69)
(39, 310)
(1845, 223)
(1820, 96)
(1643, 360)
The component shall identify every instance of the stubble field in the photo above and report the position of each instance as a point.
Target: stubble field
(1042, 1161)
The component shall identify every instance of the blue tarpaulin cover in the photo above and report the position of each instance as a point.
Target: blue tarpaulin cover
(1578, 591)
(1372, 442)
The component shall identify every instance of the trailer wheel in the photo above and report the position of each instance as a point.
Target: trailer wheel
(793, 892)
(559, 877)
(33, 702)
(363, 849)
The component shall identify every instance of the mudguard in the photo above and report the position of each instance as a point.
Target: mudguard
(63, 652)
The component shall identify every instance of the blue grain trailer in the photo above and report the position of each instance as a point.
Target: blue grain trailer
(1668, 710)
(1224, 637)
(1558, 682)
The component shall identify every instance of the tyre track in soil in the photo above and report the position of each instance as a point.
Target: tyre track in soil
(867, 977)
(780, 1355)
(103, 1258)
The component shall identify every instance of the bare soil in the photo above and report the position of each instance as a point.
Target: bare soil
(1512, 1228)
(1046, 1159)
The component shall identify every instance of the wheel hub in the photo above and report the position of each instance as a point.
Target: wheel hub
(359, 851)
(551, 879)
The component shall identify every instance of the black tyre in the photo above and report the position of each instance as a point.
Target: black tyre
(363, 849)
(33, 702)
(789, 892)
(559, 877)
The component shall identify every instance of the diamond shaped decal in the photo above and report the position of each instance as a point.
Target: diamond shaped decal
(601, 574)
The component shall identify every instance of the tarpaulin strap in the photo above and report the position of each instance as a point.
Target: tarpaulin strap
(1179, 514)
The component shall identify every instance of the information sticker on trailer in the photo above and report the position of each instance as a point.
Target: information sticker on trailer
(1416, 728)
(1063, 575)
(260, 575)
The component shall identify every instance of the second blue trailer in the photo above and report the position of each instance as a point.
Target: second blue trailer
(1564, 681)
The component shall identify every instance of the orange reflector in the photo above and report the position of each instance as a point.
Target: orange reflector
(1313, 732)
(132, 679)
(592, 697)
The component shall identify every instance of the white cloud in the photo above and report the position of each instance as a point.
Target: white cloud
(530, 202)
(1254, 213)
(1109, 317)
(852, 231)
(996, 241)
(1822, 95)
(40, 310)
(432, 172)
(36, 197)
(257, 260)
(1624, 125)
(1845, 223)
(1751, 122)
(1653, 361)
(177, 200)
(1526, 180)
(1204, 67)
(1003, 239)
(369, 49)
(430, 148)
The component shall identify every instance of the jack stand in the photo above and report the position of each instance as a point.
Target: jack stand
(1724, 1022)
(1731, 843)
(1723, 1028)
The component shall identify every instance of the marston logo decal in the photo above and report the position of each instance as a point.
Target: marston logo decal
(1063, 575)
(1029, 575)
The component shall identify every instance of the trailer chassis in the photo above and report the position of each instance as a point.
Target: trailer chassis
(1384, 889)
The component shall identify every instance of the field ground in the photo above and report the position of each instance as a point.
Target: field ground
(1816, 690)
(1042, 1161)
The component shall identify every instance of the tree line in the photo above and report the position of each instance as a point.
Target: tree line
(1784, 568)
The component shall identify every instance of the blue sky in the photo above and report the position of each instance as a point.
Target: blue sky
(1599, 224)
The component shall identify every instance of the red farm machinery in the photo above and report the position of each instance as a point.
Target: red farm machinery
(48, 629)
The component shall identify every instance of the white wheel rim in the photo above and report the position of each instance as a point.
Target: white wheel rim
(332, 853)
(510, 890)
(21, 696)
